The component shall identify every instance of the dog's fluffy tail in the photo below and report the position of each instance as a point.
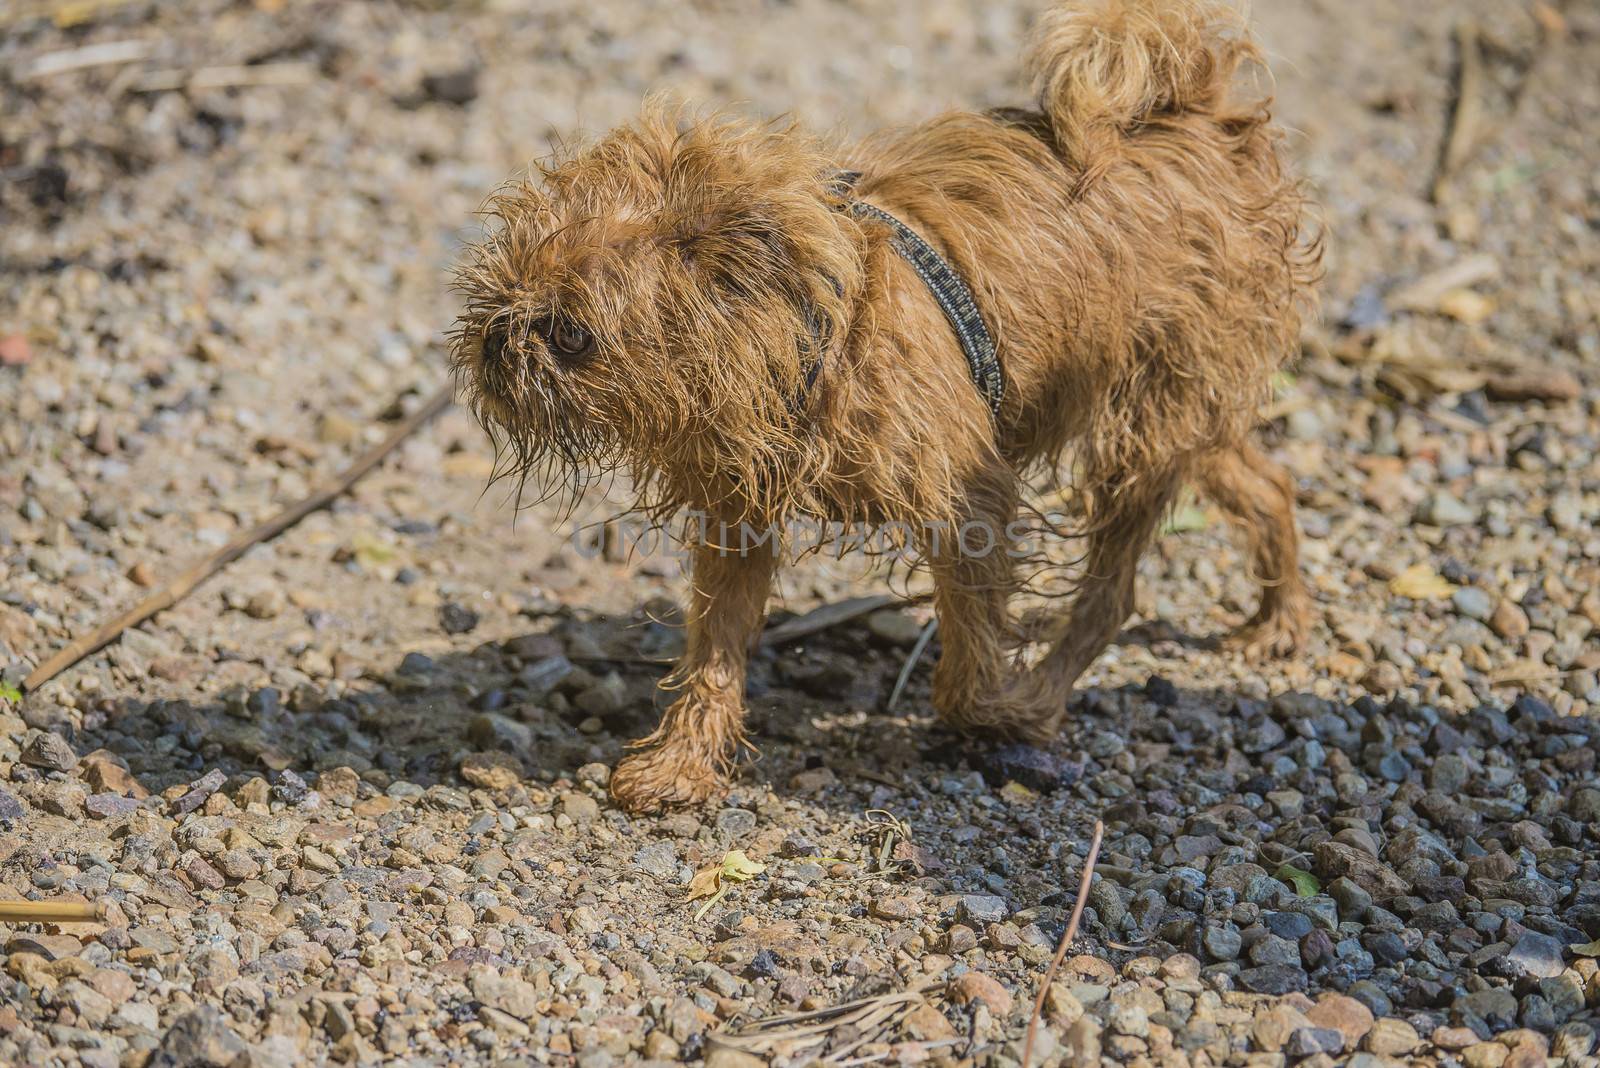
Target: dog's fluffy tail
(1103, 68)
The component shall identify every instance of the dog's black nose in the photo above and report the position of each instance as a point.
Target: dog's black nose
(494, 345)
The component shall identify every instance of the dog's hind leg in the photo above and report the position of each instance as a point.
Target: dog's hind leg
(1258, 496)
(688, 757)
(1125, 514)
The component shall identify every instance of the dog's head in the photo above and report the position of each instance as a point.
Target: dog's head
(656, 302)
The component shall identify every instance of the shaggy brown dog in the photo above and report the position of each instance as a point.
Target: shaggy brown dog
(692, 300)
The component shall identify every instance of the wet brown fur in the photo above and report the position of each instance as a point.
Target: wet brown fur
(1134, 244)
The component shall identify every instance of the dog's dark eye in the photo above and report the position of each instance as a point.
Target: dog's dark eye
(569, 339)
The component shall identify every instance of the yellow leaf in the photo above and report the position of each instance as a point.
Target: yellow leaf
(1420, 582)
(369, 552)
(1185, 518)
(1017, 794)
(712, 881)
(740, 868)
(1466, 305)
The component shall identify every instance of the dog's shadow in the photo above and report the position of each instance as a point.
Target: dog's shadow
(571, 692)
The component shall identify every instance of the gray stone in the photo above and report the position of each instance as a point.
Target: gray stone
(200, 1038)
(1107, 903)
(50, 751)
(1274, 950)
(198, 791)
(109, 806)
(1221, 942)
(1441, 509)
(980, 909)
(492, 731)
(1273, 979)
(1306, 1041)
(1496, 1006)
(735, 823)
(1573, 1040)
(580, 808)
(1472, 602)
(1534, 955)
(894, 627)
(658, 859)
(510, 995)
(1352, 899)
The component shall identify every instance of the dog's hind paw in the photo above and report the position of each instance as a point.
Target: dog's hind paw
(1277, 635)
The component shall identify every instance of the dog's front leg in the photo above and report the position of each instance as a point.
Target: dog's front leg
(688, 757)
(977, 686)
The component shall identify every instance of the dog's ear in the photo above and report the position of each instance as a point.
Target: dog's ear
(741, 248)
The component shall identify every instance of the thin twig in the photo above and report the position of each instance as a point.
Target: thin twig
(1468, 114)
(104, 54)
(911, 662)
(50, 912)
(254, 74)
(1066, 940)
(179, 586)
(1514, 675)
(866, 1016)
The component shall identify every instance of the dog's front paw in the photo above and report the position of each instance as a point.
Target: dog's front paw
(1025, 708)
(666, 775)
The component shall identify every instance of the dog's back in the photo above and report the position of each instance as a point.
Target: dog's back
(1135, 234)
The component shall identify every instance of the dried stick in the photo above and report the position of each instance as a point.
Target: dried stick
(50, 912)
(1468, 116)
(179, 586)
(827, 616)
(258, 74)
(911, 663)
(1066, 940)
(105, 54)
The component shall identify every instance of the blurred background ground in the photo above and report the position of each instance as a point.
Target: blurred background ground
(225, 230)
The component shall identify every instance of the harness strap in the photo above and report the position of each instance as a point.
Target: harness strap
(952, 293)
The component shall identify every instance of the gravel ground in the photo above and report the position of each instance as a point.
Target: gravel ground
(346, 802)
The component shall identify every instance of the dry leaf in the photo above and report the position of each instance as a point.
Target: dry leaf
(1015, 793)
(712, 881)
(1467, 305)
(740, 868)
(369, 551)
(1421, 582)
(1186, 517)
(706, 881)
